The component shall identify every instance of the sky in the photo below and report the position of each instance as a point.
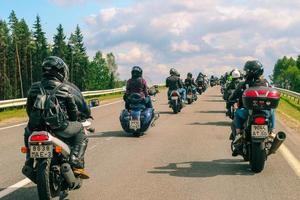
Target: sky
(211, 36)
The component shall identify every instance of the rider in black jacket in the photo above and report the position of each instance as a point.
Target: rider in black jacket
(55, 73)
(254, 71)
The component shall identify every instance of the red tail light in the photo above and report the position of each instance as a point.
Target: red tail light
(259, 120)
(250, 93)
(174, 94)
(37, 138)
(274, 94)
(190, 93)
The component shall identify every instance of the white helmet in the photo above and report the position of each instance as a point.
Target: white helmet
(236, 73)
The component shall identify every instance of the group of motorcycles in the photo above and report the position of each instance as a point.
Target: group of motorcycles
(176, 100)
(257, 140)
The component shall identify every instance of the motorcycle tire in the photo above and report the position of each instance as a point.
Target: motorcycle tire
(257, 158)
(45, 186)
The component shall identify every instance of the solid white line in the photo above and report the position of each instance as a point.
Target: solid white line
(291, 159)
(7, 127)
(14, 187)
(104, 105)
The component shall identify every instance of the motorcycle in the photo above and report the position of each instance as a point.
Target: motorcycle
(175, 101)
(256, 142)
(191, 96)
(138, 118)
(51, 170)
(200, 87)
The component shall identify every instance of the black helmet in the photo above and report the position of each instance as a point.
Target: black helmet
(55, 66)
(190, 75)
(173, 72)
(136, 72)
(253, 69)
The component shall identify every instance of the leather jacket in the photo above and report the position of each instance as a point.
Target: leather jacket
(174, 82)
(189, 82)
(64, 95)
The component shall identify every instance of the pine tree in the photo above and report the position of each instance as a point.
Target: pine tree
(59, 46)
(39, 49)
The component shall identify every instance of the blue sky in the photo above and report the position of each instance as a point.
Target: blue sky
(211, 36)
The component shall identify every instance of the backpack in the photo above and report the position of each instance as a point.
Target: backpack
(47, 110)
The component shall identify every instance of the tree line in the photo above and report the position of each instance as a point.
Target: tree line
(286, 73)
(22, 52)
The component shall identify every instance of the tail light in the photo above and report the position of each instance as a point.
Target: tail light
(39, 137)
(190, 93)
(274, 94)
(265, 93)
(174, 94)
(260, 120)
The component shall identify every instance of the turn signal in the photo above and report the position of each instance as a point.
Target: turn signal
(24, 149)
(58, 149)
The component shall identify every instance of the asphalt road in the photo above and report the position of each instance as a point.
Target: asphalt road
(185, 157)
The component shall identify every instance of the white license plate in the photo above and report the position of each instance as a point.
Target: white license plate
(134, 124)
(189, 96)
(174, 98)
(41, 151)
(260, 131)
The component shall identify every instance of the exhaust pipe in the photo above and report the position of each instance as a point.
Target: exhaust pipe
(69, 175)
(279, 139)
(29, 173)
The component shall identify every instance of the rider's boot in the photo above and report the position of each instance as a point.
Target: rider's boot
(77, 159)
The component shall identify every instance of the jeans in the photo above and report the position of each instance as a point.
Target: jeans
(147, 101)
(241, 115)
(182, 92)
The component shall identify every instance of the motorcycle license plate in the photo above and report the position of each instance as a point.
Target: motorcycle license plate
(134, 124)
(174, 98)
(189, 96)
(41, 151)
(260, 131)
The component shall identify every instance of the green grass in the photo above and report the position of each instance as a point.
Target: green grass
(21, 112)
(290, 107)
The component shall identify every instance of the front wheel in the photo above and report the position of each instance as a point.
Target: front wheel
(258, 157)
(46, 185)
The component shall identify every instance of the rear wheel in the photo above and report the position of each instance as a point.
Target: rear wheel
(258, 157)
(47, 181)
(175, 107)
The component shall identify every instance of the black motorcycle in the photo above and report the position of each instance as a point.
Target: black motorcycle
(175, 101)
(256, 141)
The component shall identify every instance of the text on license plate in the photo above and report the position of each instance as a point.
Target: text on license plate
(41, 151)
(135, 124)
(259, 130)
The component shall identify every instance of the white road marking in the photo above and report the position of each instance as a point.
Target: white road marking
(291, 159)
(3, 128)
(92, 147)
(109, 138)
(14, 187)
(104, 105)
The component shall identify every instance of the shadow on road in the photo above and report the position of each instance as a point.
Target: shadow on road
(211, 111)
(26, 193)
(205, 168)
(220, 123)
(166, 113)
(108, 134)
(214, 95)
(214, 100)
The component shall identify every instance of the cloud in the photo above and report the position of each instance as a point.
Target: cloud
(208, 35)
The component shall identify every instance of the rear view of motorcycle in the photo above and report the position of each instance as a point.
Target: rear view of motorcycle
(175, 101)
(257, 141)
(52, 172)
(137, 119)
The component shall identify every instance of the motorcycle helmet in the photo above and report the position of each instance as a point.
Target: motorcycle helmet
(235, 74)
(190, 75)
(55, 66)
(136, 72)
(173, 72)
(253, 69)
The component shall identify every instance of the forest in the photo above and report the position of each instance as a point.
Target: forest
(286, 73)
(23, 50)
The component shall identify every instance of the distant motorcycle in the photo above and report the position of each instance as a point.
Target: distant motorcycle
(52, 172)
(138, 118)
(256, 141)
(175, 101)
(191, 96)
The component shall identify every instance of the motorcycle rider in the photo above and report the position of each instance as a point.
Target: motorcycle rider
(189, 82)
(230, 86)
(137, 85)
(253, 77)
(55, 74)
(173, 82)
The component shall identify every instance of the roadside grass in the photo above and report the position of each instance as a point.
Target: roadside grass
(290, 107)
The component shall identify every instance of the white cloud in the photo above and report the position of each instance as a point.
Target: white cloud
(208, 35)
